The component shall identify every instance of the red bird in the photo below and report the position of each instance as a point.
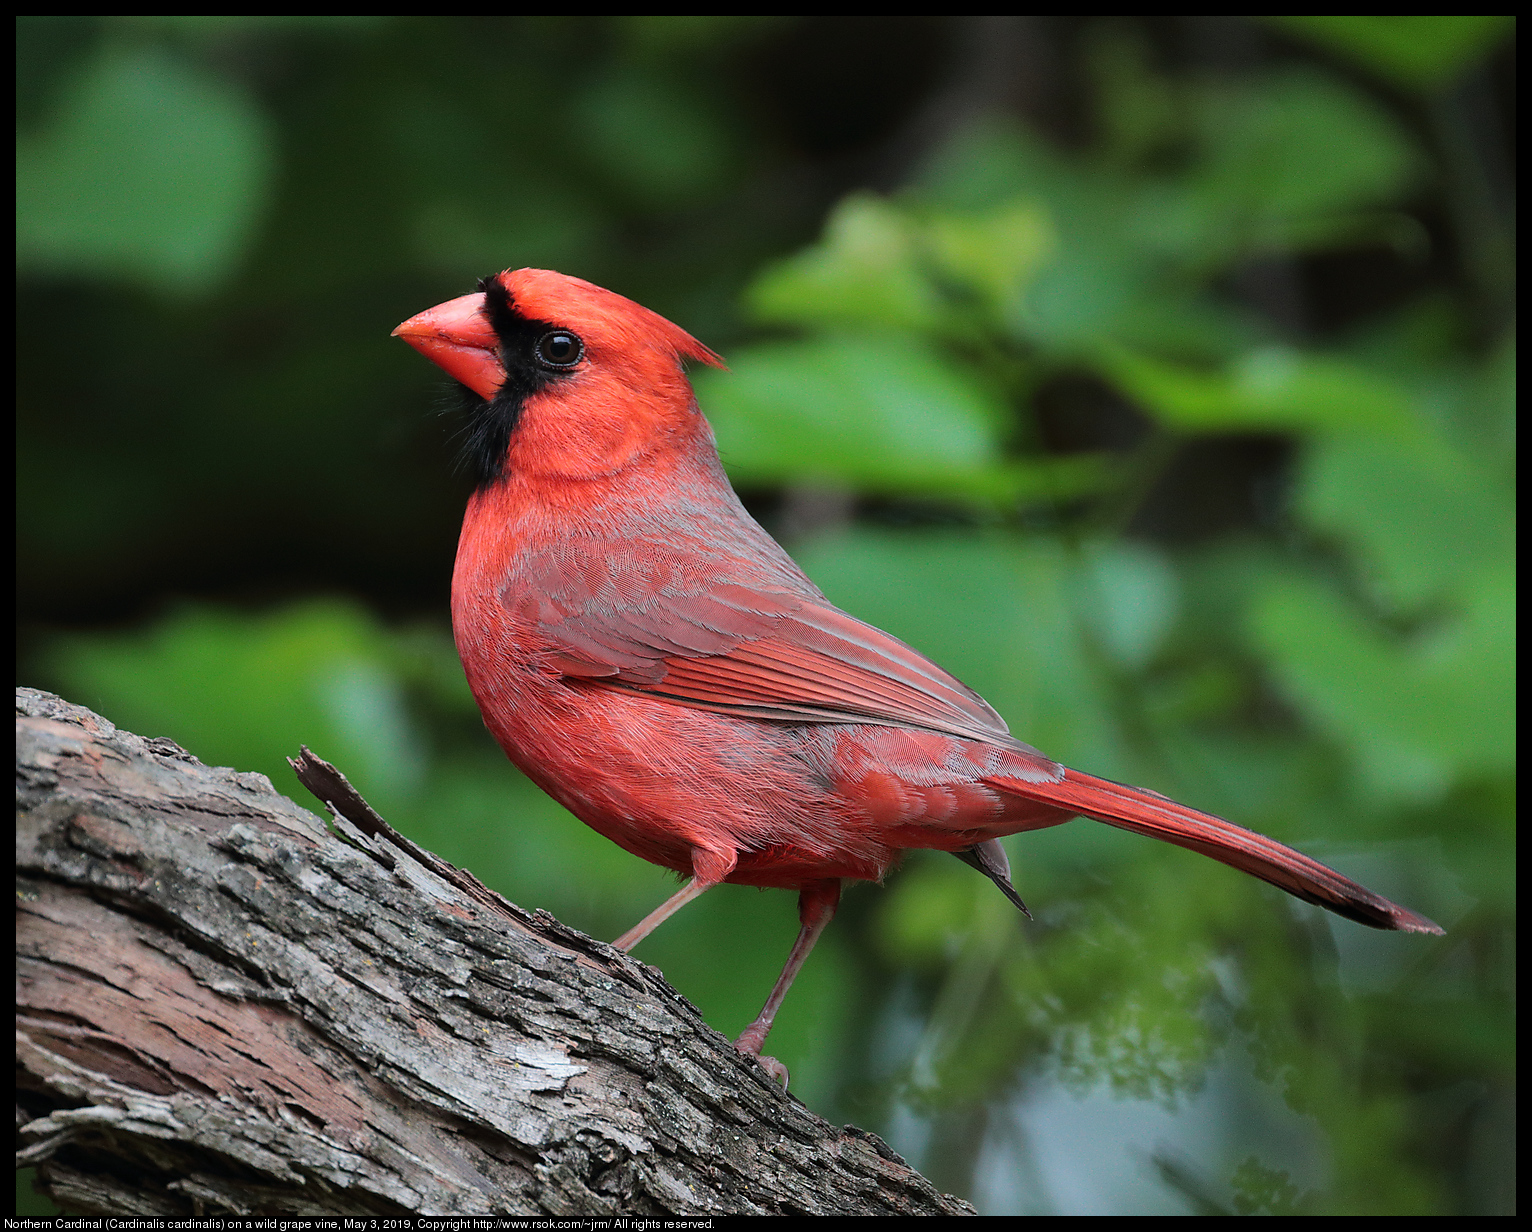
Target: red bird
(654, 661)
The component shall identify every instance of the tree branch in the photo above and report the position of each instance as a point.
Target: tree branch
(223, 1008)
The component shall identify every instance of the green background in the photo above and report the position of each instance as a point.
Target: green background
(1156, 377)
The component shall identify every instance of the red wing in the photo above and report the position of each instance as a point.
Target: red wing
(745, 634)
(819, 665)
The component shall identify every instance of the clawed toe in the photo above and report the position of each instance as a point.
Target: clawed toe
(771, 1065)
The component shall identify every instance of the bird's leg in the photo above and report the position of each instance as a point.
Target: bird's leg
(663, 912)
(816, 908)
(710, 865)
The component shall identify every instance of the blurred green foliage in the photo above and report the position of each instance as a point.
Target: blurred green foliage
(1423, 52)
(1332, 666)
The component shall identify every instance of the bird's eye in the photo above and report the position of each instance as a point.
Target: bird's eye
(559, 349)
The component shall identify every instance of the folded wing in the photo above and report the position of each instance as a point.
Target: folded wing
(738, 636)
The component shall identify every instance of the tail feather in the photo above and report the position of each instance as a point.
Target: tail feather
(1148, 812)
(990, 859)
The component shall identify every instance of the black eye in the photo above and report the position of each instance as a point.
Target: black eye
(559, 349)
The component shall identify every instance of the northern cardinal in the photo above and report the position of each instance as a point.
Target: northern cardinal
(654, 660)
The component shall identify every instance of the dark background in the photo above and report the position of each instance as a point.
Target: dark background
(1154, 375)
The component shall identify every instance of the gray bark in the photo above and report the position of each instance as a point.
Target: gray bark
(225, 1008)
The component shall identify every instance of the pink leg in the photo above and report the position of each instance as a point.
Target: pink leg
(662, 913)
(816, 908)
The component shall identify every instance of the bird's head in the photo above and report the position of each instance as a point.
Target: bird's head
(575, 381)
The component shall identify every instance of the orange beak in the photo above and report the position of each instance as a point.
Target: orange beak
(458, 339)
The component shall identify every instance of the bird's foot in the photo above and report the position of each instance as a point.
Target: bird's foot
(750, 1043)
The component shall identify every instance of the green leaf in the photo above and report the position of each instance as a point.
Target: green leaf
(152, 170)
(1272, 388)
(1421, 514)
(1138, 107)
(871, 413)
(1417, 714)
(1290, 158)
(1085, 294)
(246, 691)
(862, 273)
(995, 253)
(988, 164)
(1130, 596)
(1259, 1190)
(1419, 52)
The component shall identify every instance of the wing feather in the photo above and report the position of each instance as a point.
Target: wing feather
(749, 635)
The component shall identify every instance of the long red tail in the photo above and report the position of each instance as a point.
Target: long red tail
(1148, 812)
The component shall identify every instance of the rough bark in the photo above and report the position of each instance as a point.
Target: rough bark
(223, 1007)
